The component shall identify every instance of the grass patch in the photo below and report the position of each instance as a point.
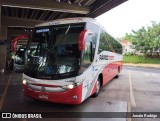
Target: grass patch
(140, 59)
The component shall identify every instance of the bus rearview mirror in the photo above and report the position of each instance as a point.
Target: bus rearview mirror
(82, 39)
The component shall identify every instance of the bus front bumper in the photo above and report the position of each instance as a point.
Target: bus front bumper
(72, 96)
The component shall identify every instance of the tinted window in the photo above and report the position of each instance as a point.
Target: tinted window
(56, 53)
(95, 30)
(108, 43)
(87, 55)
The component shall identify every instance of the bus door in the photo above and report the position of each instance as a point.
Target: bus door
(87, 66)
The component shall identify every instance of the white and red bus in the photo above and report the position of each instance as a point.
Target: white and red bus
(72, 59)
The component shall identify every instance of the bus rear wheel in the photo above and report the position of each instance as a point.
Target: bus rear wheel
(117, 73)
(98, 86)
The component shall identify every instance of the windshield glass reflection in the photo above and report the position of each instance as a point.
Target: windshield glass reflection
(56, 53)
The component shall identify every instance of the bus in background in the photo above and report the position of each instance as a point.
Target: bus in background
(73, 59)
(19, 59)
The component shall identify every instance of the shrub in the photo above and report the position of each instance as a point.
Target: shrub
(140, 59)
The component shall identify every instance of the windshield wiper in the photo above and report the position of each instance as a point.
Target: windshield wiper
(67, 29)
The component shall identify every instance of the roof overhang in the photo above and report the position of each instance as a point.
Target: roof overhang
(31, 12)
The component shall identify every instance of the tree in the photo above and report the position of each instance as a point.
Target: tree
(146, 39)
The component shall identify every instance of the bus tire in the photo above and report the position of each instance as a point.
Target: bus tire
(98, 86)
(117, 73)
(116, 76)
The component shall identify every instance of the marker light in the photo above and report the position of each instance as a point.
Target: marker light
(24, 82)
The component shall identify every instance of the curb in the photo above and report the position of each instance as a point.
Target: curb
(143, 65)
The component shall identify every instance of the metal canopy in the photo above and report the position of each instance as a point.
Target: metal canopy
(48, 5)
(45, 10)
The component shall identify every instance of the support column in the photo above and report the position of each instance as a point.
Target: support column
(3, 27)
(3, 47)
(0, 18)
(3, 34)
(3, 37)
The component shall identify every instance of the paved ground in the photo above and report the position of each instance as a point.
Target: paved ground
(143, 65)
(136, 85)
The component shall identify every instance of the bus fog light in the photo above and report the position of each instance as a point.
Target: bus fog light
(75, 97)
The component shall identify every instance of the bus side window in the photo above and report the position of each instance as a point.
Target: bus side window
(103, 43)
(95, 30)
(88, 52)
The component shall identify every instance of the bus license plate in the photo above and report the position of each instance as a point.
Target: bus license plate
(43, 96)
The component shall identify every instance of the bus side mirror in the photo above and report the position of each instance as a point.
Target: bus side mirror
(82, 39)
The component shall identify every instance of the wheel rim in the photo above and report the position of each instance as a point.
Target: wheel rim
(97, 86)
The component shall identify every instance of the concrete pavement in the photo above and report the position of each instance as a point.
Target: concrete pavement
(145, 93)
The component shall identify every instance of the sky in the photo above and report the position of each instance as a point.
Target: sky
(131, 15)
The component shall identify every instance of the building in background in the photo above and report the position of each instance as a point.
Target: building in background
(128, 47)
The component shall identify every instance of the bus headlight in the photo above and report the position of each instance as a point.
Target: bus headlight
(24, 82)
(70, 86)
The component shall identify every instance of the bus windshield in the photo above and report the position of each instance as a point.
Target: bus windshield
(56, 54)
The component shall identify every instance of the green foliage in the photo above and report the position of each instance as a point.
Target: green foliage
(108, 43)
(140, 59)
(146, 39)
(129, 54)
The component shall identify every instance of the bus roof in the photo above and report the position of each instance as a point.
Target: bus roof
(68, 20)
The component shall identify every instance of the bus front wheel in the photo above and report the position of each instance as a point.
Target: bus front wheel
(98, 86)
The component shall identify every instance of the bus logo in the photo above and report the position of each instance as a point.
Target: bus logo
(43, 89)
(106, 57)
